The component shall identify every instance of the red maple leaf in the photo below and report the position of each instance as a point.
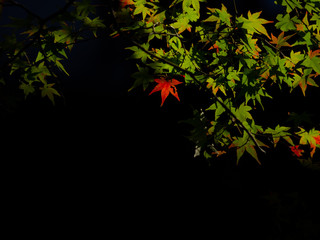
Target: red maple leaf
(166, 87)
(296, 150)
(317, 139)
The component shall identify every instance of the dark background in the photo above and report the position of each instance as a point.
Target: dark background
(106, 158)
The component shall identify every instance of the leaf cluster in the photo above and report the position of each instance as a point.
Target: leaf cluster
(35, 51)
(233, 58)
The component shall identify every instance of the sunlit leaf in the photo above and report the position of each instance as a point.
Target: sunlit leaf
(254, 24)
(166, 87)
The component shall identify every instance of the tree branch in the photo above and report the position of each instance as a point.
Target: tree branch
(41, 22)
(60, 11)
(27, 10)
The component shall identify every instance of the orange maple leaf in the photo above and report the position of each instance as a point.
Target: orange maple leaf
(314, 53)
(300, 27)
(281, 40)
(313, 147)
(124, 3)
(166, 87)
(215, 46)
(219, 153)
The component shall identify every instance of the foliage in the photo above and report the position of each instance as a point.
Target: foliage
(235, 61)
(39, 46)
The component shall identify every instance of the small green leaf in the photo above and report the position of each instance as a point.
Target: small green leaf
(27, 89)
(278, 132)
(141, 8)
(182, 24)
(139, 53)
(242, 113)
(251, 150)
(240, 152)
(285, 23)
(253, 24)
(61, 67)
(142, 78)
(49, 91)
(312, 61)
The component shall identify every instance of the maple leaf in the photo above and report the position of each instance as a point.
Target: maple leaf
(313, 146)
(317, 139)
(312, 137)
(296, 150)
(124, 3)
(280, 41)
(245, 144)
(141, 8)
(219, 153)
(313, 61)
(314, 53)
(215, 87)
(49, 91)
(254, 24)
(300, 27)
(215, 46)
(182, 24)
(166, 87)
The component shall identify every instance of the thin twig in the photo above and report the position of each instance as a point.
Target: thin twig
(27, 10)
(60, 11)
(42, 22)
(235, 7)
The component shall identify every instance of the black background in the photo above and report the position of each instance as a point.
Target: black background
(103, 158)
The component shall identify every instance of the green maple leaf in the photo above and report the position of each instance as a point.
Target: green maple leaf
(49, 91)
(244, 144)
(139, 53)
(192, 15)
(285, 23)
(219, 15)
(290, 5)
(313, 61)
(27, 89)
(253, 23)
(141, 8)
(308, 137)
(182, 24)
(242, 113)
(142, 78)
(279, 132)
(295, 57)
(252, 151)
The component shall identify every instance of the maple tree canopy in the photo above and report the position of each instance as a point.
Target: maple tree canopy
(234, 61)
